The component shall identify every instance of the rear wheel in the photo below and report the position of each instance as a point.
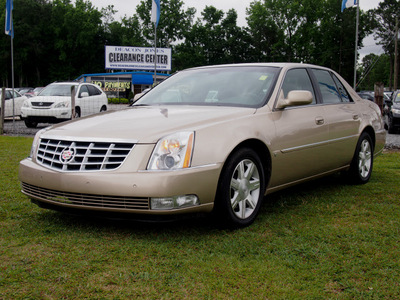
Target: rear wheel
(241, 189)
(103, 108)
(361, 165)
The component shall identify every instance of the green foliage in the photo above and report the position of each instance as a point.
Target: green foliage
(118, 101)
(322, 240)
(62, 39)
(374, 69)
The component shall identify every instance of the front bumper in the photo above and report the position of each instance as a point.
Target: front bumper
(120, 190)
(42, 114)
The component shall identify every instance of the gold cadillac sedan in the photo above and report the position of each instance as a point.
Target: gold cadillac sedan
(208, 139)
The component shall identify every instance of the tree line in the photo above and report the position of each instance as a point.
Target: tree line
(59, 40)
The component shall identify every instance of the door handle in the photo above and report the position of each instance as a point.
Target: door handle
(355, 117)
(319, 120)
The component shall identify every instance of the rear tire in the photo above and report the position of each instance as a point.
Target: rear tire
(361, 166)
(241, 189)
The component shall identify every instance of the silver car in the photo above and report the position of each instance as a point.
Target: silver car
(209, 139)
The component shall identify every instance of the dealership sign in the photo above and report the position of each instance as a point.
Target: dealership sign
(137, 58)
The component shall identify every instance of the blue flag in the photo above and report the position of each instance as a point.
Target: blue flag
(9, 28)
(348, 4)
(155, 11)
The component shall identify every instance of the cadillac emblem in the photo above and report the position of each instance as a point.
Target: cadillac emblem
(67, 155)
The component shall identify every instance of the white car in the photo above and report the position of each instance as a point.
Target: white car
(18, 101)
(53, 103)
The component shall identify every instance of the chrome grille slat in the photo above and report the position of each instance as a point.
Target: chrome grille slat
(105, 201)
(87, 156)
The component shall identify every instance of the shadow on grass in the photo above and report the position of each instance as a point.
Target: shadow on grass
(278, 203)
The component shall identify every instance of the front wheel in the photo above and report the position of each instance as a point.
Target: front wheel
(241, 189)
(30, 124)
(361, 166)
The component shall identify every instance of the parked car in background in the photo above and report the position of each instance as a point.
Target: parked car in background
(138, 95)
(27, 91)
(18, 101)
(53, 103)
(391, 112)
(37, 90)
(387, 95)
(208, 139)
(367, 95)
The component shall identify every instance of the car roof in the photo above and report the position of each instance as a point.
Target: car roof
(276, 65)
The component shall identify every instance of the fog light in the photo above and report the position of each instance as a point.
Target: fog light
(174, 202)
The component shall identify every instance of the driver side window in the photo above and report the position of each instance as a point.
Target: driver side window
(297, 79)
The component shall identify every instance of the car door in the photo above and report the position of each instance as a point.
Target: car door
(97, 98)
(341, 115)
(302, 134)
(84, 100)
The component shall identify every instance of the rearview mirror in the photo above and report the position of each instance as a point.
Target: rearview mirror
(296, 98)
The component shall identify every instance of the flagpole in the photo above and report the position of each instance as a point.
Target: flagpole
(356, 46)
(155, 54)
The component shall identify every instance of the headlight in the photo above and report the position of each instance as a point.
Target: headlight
(173, 152)
(62, 104)
(395, 111)
(26, 103)
(36, 141)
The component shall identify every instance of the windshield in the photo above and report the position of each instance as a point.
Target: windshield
(57, 90)
(397, 98)
(246, 86)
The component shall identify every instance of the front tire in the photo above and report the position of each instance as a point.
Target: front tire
(30, 124)
(241, 189)
(361, 166)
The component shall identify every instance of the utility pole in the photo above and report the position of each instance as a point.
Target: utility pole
(396, 69)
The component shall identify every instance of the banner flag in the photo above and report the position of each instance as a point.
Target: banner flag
(155, 11)
(348, 4)
(9, 28)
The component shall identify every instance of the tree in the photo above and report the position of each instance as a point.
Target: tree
(213, 39)
(174, 21)
(386, 14)
(374, 69)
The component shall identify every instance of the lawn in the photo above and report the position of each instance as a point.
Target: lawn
(320, 240)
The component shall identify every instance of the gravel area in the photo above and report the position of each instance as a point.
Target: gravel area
(18, 127)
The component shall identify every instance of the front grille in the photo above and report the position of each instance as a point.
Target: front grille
(42, 104)
(70, 156)
(98, 201)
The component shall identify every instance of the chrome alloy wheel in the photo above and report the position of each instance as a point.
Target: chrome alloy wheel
(364, 159)
(245, 189)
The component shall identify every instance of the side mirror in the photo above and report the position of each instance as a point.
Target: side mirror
(296, 98)
(84, 94)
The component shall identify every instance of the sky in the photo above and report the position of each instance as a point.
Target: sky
(127, 7)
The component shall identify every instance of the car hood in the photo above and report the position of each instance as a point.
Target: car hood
(49, 98)
(396, 105)
(146, 124)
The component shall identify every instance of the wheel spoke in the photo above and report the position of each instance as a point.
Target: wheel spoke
(255, 184)
(251, 168)
(235, 184)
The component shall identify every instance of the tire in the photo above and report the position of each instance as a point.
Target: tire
(77, 112)
(361, 166)
(30, 124)
(103, 108)
(241, 189)
(391, 128)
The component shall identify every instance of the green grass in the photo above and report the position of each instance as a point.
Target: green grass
(321, 240)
